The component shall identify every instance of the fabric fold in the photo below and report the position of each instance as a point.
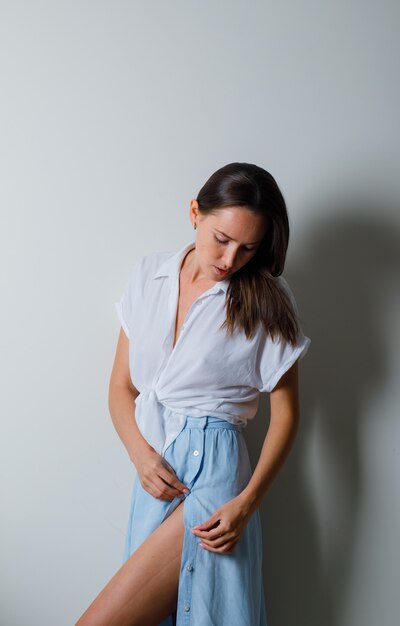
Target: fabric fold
(158, 423)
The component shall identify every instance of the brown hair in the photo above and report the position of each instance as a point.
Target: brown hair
(255, 294)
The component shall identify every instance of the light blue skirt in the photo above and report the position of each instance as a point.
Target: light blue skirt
(210, 457)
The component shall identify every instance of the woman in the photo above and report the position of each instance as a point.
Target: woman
(203, 332)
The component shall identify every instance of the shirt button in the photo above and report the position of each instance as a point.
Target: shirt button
(195, 452)
(186, 607)
(189, 567)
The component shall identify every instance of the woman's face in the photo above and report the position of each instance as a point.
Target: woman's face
(227, 239)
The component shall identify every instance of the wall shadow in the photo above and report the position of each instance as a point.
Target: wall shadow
(343, 279)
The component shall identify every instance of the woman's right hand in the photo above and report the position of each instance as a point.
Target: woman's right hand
(157, 476)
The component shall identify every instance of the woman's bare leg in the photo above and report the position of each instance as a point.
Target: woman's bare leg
(145, 589)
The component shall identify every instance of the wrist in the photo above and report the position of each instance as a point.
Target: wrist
(141, 447)
(249, 501)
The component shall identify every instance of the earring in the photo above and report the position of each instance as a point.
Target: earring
(194, 226)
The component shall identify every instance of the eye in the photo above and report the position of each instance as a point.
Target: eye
(223, 241)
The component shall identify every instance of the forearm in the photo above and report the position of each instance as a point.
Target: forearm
(277, 444)
(121, 404)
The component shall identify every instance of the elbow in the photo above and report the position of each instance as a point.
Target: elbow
(116, 388)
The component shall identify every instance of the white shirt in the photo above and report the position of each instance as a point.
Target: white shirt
(207, 372)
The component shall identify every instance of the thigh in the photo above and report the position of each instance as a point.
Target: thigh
(145, 589)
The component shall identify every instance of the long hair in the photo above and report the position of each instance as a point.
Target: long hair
(255, 294)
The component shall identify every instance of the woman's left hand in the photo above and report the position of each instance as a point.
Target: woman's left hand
(222, 531)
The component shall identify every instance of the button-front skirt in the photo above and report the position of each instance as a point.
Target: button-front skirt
(210, 457)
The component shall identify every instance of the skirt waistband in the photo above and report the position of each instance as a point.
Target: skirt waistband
(209, 421)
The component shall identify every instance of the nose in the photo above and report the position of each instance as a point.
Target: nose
(229, 259)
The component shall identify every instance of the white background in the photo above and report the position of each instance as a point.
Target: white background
(113, 115)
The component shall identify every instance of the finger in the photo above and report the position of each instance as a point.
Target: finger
(221, 539)
(210, 535)
(174, 489)
(170, 478)
(218, 542)
(212, 522)
(157, 488)
(225, 548)
(167, 491)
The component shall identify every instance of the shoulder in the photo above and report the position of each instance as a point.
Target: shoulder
(147, 265)
(151, 262)
(284, 286)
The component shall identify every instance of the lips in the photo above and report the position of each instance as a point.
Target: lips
(220, 271)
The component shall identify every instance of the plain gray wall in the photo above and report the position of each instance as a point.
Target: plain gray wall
(113, 115)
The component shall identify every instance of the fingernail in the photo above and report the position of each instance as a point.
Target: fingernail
(185, 490)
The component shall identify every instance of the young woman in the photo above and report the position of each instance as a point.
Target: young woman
(204, 331)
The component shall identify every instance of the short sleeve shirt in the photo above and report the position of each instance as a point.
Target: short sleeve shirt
(208, 372)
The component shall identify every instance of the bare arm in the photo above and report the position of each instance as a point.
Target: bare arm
(121, 401)
(155, 473)
(285, 415)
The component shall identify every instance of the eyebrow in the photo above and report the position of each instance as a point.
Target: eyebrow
(227, 236)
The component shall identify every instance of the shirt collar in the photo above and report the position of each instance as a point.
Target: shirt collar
(171, 266)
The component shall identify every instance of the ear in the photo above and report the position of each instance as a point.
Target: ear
(193, 211)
